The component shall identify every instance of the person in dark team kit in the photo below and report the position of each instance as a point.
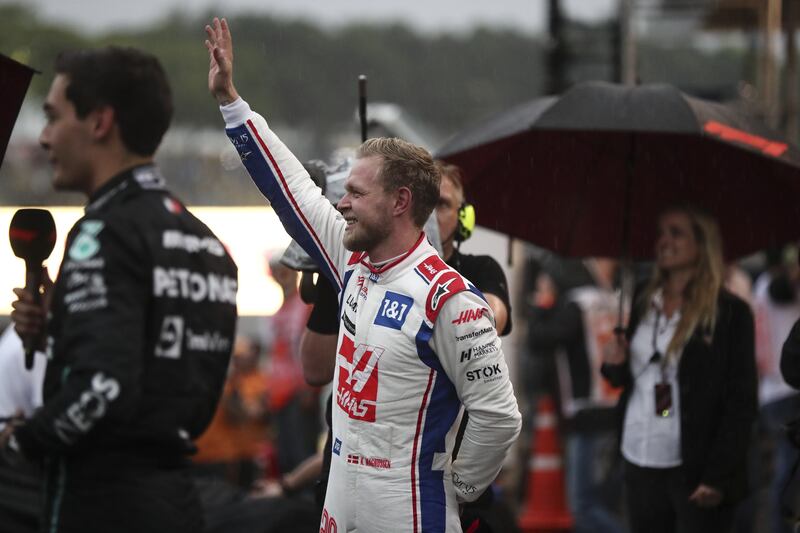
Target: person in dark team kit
(142, 315)
(456, 222)
(482, 270)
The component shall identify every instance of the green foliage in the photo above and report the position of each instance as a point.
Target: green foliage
(300, 74)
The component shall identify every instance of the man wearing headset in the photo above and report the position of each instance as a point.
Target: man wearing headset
(456, 222)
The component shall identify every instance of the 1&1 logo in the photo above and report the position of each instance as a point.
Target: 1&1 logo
(393, 310)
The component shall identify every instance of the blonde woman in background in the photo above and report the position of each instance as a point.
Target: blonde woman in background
(687, 368)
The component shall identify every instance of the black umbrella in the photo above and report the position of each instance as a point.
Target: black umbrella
(14, 80)
(586, 173)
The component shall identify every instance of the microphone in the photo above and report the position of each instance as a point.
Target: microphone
(362, 105)
(33, 235)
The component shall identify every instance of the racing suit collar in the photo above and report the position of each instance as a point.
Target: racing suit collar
(394, 262)
(145, 176)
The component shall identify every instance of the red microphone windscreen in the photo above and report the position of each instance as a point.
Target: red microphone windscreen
(32, 234)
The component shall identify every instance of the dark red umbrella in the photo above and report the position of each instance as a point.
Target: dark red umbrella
(586, 173)
(14, 80)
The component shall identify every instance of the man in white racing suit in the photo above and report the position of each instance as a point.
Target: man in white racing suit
(417, 342)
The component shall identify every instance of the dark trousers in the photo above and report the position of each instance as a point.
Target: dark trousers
(658, 502)
(100, 496)
(20, 497)
(298, 431)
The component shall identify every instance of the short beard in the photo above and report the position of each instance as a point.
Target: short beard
(367, 240)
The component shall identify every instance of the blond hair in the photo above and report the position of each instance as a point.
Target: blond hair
(699, 307)
(406, 165)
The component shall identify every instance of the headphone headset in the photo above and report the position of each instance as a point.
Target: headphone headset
(466, 222)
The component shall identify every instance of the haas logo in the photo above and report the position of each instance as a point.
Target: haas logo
(357, 389)
(468, 315)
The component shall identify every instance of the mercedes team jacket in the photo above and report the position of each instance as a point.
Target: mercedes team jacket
(141, 328)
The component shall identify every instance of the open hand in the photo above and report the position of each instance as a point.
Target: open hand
(8, 428)
(705, 496)
(267, 488)
(220, 56)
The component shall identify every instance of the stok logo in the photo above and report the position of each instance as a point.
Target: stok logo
(468, 315)
(357, 389)
(487, 373)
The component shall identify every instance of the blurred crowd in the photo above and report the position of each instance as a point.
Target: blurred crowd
(628, 469)
(257, 465)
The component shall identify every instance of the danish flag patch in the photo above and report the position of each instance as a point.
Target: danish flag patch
(431, 267)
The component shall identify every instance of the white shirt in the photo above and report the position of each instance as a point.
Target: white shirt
(773, 323)
(20, 389)
(650, 440)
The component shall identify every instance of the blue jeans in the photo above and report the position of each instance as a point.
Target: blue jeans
(590, 512)
(773, 416)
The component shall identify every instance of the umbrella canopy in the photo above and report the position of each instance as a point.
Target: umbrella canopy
(586, 173)
(14, 80)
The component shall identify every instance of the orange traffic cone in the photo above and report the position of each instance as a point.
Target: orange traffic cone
(545, 509)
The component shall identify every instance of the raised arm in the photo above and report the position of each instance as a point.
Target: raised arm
(305, 213)
(220, 56)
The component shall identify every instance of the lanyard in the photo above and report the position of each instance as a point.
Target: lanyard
(657, 357)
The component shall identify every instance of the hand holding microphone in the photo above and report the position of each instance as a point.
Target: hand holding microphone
(33, 235)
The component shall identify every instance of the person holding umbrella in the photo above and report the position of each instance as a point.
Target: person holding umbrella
(687, 368)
